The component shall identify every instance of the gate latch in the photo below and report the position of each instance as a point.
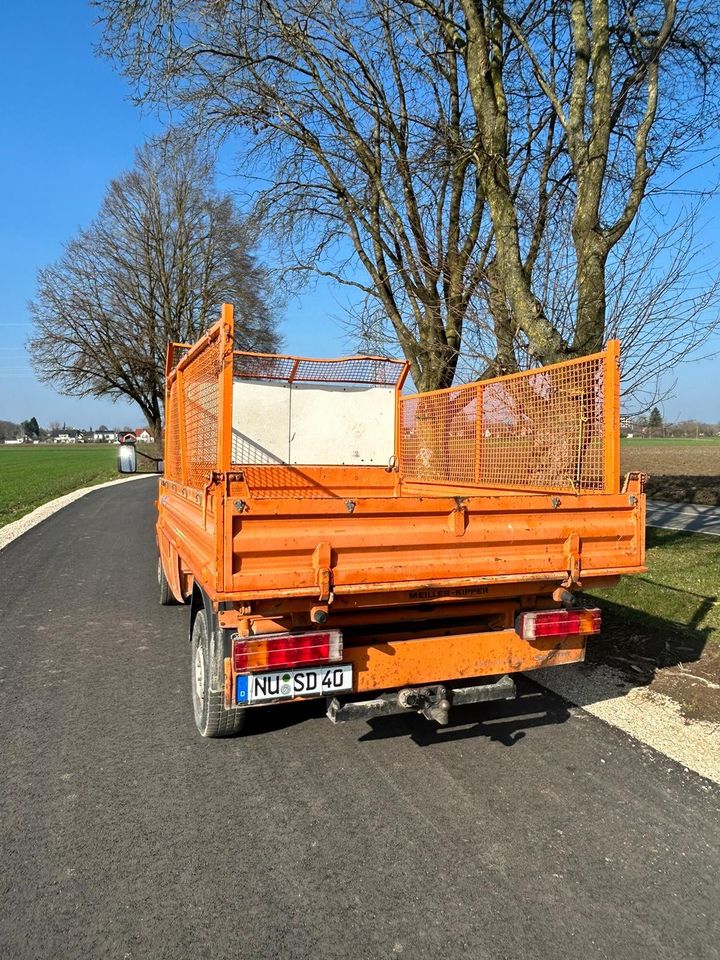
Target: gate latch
(322, 563)
(572, 561)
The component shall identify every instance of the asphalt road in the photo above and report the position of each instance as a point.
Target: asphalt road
(694, 517)
(521, 831)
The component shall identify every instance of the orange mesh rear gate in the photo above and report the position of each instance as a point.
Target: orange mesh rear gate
(550, 429)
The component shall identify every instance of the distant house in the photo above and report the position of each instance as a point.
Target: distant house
(627, 426)
(105, 436)
(68, 436)
(143, 435)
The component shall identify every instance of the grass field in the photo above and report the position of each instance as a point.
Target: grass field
(32, 475)
(682, 585)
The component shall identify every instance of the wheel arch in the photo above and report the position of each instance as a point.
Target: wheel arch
(199, 600)
(214, 716)
(220, 642)
(171, 564)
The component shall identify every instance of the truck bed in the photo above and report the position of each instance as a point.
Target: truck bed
(513, 480)
(291, 532)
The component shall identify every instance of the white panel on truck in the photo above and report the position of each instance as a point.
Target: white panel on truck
(307, 423)
(335, 424)
(261, 422)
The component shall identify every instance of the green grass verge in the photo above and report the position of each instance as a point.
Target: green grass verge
(680, 591)
(32, 475)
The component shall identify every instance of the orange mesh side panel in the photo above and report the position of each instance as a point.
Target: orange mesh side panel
(539, 430)
(375, 370)
(201, 401)
(177, 352)
(172, 436)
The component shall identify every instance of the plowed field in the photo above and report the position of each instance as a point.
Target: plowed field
(680, 470)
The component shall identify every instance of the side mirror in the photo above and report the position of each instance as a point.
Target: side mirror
(127, 458)
(159, 466)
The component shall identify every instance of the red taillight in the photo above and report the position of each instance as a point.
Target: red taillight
(286, 650)
(558, 623)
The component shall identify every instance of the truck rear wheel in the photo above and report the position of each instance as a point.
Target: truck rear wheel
(211, 717)
(167, 598)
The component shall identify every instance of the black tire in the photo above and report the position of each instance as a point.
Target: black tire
(206, 663)
(167, 598)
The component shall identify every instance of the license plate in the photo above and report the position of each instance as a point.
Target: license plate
(296, 682)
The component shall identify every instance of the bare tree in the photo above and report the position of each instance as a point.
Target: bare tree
(597, 66)
(9, 430)
(662, 300)
(361, 116)
(447, 146)
(163, 253)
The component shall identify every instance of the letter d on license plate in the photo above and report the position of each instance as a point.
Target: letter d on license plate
(292, 683)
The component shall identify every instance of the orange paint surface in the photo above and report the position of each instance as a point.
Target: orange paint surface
(432, 660)
(506, 489)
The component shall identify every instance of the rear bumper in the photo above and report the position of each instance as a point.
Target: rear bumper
(404, 663)
(434, 702)
(422, 666)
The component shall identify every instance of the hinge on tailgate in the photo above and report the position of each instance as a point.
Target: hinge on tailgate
(322, 562)
(572, 559)
(634, 483)
(458, 518)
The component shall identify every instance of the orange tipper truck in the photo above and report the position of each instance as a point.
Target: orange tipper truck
(335, 537)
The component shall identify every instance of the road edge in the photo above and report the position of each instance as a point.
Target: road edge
(11, 531)
(652, 718)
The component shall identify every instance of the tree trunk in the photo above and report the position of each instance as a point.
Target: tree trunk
(156, 428)
(505, 361)
(439, 347)
(153, 415)
(526, 310)
(484, 65)
(591, 297)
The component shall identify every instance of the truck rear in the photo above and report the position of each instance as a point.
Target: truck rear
(336, 537)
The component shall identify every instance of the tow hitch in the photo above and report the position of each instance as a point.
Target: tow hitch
(433, 702)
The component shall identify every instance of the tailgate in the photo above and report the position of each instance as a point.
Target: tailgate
(307, 547)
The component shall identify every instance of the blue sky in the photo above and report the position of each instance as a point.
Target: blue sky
(67, 129)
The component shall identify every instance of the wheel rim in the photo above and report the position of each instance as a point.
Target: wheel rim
(199, 675)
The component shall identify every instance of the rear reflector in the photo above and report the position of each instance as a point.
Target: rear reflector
(558, 623)
(286, 650)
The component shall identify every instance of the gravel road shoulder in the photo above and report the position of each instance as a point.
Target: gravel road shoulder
(651, 717)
